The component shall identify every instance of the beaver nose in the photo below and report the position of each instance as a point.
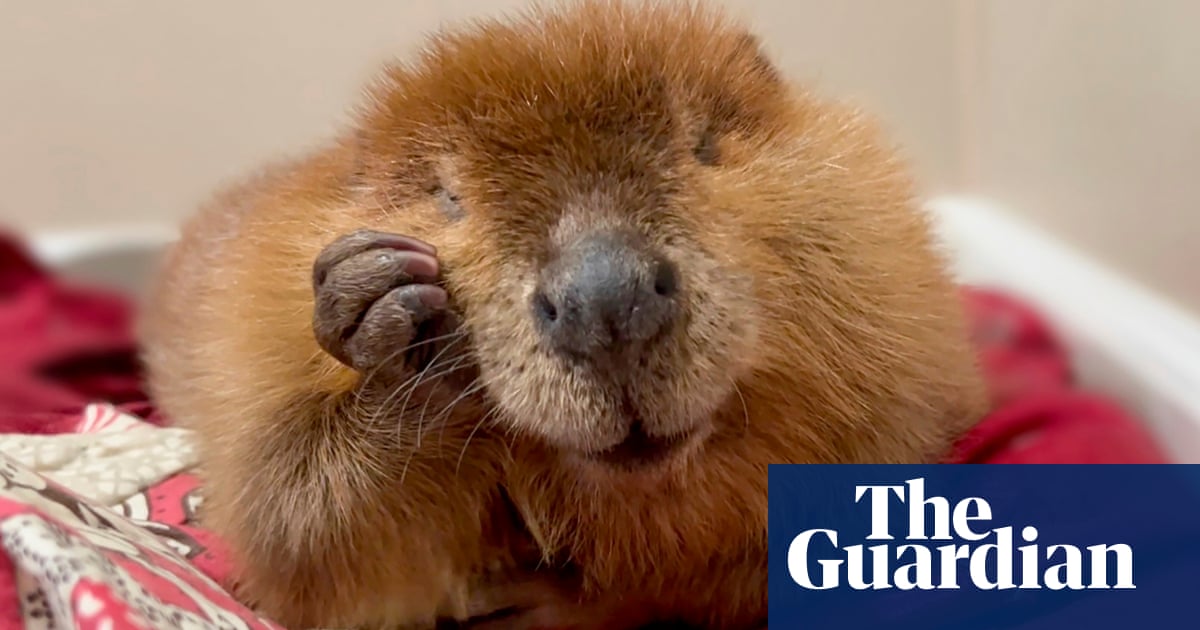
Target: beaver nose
(604, 293)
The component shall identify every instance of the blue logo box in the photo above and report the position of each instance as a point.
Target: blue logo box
(984, 546)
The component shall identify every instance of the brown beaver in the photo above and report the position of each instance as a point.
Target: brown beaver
(560, 294)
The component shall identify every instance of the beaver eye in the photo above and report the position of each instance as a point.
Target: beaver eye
(706, 150)
(449, 203)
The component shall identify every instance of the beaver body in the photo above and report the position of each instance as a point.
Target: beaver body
(550, 307)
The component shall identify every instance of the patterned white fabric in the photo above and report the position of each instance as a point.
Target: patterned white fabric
(110, 457)
(75, 564)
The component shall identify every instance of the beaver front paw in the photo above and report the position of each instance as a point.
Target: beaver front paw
(376, 300)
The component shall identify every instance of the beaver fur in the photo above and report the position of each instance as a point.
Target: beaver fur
(387, 440)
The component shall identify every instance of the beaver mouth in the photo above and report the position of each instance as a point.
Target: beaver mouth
(639, 449)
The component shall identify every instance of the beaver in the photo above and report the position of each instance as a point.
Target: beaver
(549, 305)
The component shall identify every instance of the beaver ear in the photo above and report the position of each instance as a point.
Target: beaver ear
(749, 46)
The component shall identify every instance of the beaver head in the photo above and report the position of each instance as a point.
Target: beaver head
(636, 214)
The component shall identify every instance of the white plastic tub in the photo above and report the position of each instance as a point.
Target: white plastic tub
(1124, 340)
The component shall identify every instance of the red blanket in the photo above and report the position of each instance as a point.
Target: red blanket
(1040, 415)
(64, 347)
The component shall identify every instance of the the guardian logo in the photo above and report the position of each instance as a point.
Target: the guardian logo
(989, 558)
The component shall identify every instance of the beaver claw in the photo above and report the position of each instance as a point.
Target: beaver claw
(374, 294)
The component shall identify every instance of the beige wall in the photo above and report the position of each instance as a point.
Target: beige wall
(1081, 113)
(1088, 121)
